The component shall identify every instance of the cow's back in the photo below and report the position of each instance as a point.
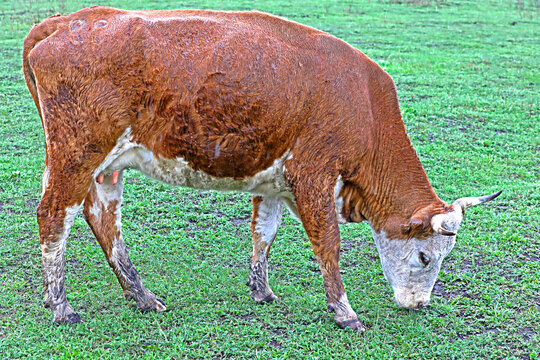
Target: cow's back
(228, 92)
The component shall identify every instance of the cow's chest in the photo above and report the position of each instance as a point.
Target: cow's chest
(178, 172)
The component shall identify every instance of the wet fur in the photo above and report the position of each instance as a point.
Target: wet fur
(225, 94)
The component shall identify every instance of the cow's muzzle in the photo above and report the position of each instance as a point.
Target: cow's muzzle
(410, 300)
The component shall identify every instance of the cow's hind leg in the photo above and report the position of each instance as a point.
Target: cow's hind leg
(102, 210)
(265, 221)
(62, 196)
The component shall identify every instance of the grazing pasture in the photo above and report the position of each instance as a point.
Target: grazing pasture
(467, 73)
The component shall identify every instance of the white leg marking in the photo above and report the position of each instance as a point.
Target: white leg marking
(107, 193)
(291, 205)
(342, 308)
(268, 218)
(53, 259)
(51, 251)
(267, 222)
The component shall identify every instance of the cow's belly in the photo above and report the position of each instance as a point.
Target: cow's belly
(128, 154)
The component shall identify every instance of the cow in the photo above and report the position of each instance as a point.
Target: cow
(231, 101)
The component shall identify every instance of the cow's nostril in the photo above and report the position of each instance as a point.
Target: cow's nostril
(419, 305)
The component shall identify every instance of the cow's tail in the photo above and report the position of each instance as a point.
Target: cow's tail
(38, 33)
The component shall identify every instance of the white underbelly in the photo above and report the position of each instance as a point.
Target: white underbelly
(128, 154)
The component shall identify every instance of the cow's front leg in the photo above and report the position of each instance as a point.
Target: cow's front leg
(315, 204)
(265, 221)
(102, 210)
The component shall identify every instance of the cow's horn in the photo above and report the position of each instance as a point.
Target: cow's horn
(436, 225)
(467, 202)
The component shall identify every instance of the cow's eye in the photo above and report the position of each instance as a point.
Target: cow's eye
(424, 259)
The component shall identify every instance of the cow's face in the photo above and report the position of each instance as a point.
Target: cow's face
(411, 266)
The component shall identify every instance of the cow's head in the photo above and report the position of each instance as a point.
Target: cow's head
(411, 266)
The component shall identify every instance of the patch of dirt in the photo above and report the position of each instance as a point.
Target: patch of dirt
(345, 246)
(247, 317)
(32, 204)
(348, 244)
(274, 343)
(231, 264)
(527, 333)
(531, 257)
(442, 290)
(240, 221)
(218, 214)
(10, 78)
(132, 180)
(477, 333)
(194, 225)
(278, 331)
(72, 264)
(7, 210)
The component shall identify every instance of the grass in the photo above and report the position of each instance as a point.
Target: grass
(467, 74)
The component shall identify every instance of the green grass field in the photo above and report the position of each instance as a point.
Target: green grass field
(467, 74)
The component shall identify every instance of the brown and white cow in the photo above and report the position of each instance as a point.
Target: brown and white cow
(234, 101)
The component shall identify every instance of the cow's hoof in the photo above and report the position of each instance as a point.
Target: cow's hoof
(264, 298)
(160, 305)
(353, 324)
(152, 304)
(72, 318)
(146, 301)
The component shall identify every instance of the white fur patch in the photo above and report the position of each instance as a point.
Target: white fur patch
(269, 182)
(129, 154)
(342, 308)
(45, 180)
(338, 200)
(53, 251)
(95, 210)
(106, 193)
(268, 218)
(411, 280)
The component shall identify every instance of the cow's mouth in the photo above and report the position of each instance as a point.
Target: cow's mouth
(410, 300)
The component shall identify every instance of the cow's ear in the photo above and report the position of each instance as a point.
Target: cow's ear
(415, 224)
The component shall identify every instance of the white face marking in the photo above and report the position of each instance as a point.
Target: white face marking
(411, 280)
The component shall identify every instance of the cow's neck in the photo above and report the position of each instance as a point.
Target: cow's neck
(390, 185)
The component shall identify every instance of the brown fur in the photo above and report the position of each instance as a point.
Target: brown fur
(246, 85)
